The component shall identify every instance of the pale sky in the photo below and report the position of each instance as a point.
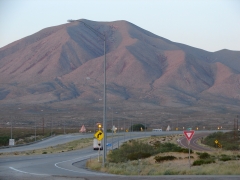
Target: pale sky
(211, 25)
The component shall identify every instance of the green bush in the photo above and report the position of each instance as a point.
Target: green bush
(4, 140)
(225, 157)
(133, 150)
(229, 146)
(169, 147)
(137, 127)
(170, 172)
(184, 150)
(130, 151)
(225, 139)
(138, 155)
(204, 155)
(164, 158)
(203, 161)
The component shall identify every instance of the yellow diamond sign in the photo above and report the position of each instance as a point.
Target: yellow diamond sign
(99, 135)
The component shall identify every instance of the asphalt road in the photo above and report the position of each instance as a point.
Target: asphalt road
(55, 140)
(60, 166)
(193, 142)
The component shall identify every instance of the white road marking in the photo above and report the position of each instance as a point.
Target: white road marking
(28, 172)
(80, 158)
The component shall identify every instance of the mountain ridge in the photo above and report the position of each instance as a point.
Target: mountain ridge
(65, 63)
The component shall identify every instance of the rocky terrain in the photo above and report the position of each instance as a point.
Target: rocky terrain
(61, 67)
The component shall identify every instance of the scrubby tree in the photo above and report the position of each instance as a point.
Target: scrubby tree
(137, 127)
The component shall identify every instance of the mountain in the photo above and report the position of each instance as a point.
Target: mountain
(65, 64)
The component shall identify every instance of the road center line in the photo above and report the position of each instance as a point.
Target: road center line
(80, 158)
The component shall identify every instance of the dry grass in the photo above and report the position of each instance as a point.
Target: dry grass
(176, 167)
(73, 145)
(180, 166)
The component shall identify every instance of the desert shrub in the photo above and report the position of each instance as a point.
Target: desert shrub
(204, 155)
(164, 158)
(170, 172)
(184, 150)
(137, 127)
(203, 161)
(226, 139)
(225, 157)
(44, 152)
(4, 140)
(231, 146)
(138, 155)
(170, 147)
(131, 150)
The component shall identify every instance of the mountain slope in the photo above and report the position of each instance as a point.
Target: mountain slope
(65, 63)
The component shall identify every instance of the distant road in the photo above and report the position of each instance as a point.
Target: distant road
(61, 139)
(60, 166)
(193, 143)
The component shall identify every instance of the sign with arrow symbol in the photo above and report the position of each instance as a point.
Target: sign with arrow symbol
(99, 135)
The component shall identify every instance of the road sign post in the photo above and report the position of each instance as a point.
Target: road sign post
(99, 135)
(189, 135)
(99, 146)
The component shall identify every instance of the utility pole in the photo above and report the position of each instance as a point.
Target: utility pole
(237, 122)
(118, 133)
(35, 129)
(124, 128)
(234, 132)
(64, 127)
(237, 127)
(11, 127)
(43, 125)
(112, 129)
(51, 126)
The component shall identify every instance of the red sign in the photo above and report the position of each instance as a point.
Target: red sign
(189, 134)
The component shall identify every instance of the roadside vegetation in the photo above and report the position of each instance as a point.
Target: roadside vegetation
(71, 146)
(226, 141)
(161, 156)
(134, 150)
(26, 135)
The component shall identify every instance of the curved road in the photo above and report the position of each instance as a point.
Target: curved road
(193, 143)
(60, 166)
(55, 140)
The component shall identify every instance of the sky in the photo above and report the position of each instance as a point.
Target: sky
(211, 25)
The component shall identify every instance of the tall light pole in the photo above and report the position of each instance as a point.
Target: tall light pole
(35, 129)
(11, 127)
(103, 37)
(112, 126)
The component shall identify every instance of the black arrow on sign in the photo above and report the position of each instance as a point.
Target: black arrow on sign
(99, 134)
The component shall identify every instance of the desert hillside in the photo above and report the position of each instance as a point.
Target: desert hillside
(65, 64)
